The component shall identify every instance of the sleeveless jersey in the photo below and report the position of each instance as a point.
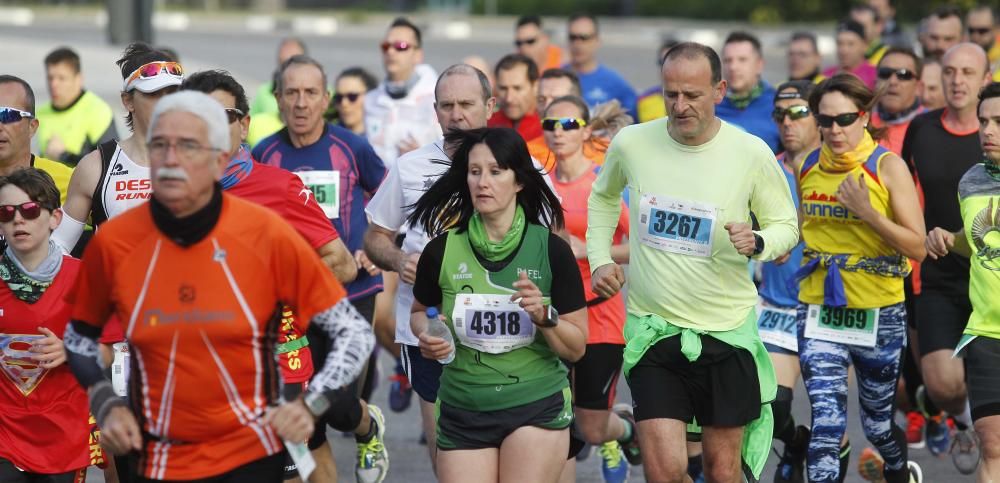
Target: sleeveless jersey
(123, 184)
(830, 228)
(481, 381)
(44, 413)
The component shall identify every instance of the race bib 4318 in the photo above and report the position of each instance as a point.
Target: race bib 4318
(491, 323)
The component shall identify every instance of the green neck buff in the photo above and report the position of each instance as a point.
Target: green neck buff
(491, 250)
(742, 101)
(992, 169)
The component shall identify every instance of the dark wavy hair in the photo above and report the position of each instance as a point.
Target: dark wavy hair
(448, 202)
(136, 55)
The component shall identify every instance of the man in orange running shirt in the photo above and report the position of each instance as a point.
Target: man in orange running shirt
(198, 278)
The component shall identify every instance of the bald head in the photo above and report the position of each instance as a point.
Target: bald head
(965, 70)
(968, 51)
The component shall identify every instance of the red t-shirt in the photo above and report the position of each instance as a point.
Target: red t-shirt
(283, 191)
(606, 320)
(44, 414)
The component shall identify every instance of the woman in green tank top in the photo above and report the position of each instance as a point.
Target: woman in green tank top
(504, 406)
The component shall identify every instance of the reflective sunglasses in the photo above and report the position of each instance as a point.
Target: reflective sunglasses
(351, 97)
(401, 46)
(10, 115)
(793, 112)
(234, 114)
(567, 123)
(842, 120)
(153, 69)
(29, 211)
(531, 41)
(581, 37)
(979, 30)
(885, 73)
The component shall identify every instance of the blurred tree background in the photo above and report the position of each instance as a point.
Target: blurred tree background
(756, 11)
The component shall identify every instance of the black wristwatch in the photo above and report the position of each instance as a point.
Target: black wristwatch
(551, 318)
(316, 403)
(758, 244)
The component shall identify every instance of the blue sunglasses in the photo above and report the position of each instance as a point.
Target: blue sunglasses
(10, 115)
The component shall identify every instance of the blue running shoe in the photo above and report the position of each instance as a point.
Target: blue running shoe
(613, 465)
(938, 437)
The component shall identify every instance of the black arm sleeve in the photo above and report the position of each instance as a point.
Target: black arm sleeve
(567, 295)
(426, 289)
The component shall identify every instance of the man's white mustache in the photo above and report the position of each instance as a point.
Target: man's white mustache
(172, 173)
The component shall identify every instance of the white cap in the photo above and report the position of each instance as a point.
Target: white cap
(154, 84)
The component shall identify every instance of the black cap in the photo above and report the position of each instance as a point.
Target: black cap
(849, 25)
(802, 90)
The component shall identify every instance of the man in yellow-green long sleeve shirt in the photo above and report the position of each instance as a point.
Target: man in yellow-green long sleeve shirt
(693, 181)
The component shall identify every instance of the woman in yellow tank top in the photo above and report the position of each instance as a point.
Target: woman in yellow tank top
(860, 221)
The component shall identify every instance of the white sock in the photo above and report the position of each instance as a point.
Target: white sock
(966, 416)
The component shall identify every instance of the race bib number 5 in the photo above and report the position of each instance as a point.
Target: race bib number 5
(843, 325)
(325, 186)
(491, 323)
(676, 226)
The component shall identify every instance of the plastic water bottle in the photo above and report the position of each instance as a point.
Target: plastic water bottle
(437, 328)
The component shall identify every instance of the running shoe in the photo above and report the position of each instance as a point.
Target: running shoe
(630, 448)
(614, 469)
(373, 459)
(938, 439)
(965, 451)
(400, 393)
(585, 452)
(791, 465)
(870, 466)
(915, 423)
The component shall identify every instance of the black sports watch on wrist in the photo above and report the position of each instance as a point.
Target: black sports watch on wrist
(758, 244)
(551, 317)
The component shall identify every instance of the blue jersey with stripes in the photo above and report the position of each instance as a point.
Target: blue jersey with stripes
(343, 171)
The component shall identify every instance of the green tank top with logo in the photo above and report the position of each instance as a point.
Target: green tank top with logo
(502, 359)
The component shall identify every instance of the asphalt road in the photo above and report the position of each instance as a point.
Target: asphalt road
(250, 57)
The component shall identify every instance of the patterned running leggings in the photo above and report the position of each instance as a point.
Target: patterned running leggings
(824, 371)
